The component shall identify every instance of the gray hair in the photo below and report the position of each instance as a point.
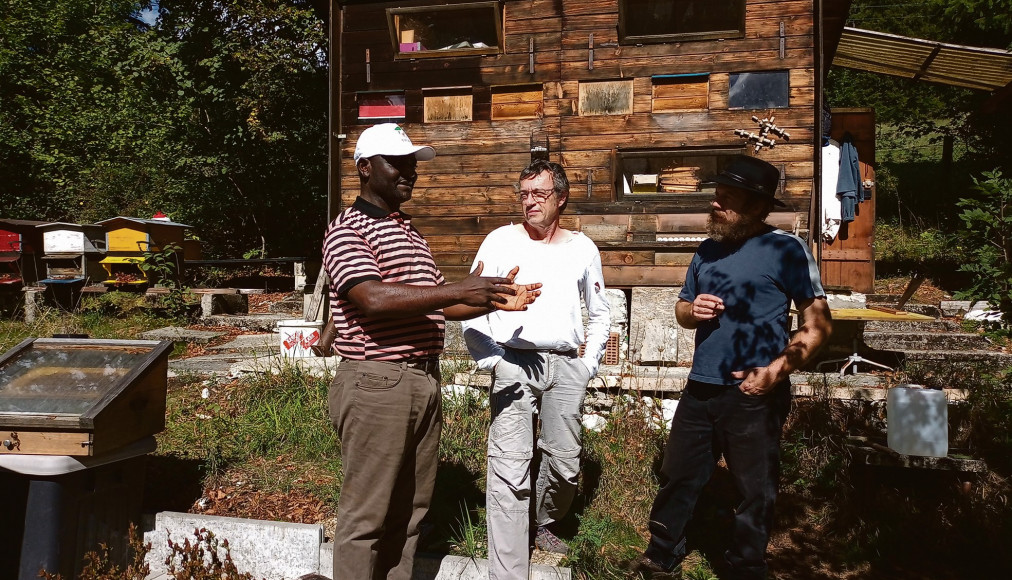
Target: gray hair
(560, 183)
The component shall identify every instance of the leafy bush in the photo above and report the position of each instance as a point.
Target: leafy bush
(988, 236)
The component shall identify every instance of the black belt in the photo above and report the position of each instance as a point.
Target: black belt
(428, 365)
(572, 353)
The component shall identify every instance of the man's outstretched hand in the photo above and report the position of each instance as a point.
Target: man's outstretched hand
(525, 293)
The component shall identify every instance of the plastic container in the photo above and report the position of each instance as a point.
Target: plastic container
(298, 336)
(917, 421)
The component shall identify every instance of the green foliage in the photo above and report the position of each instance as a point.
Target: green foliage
(988, 237)
(911, 246)
(265, 414)
(470, 537)
(465, 430)
(602, 546)
(990, 421)
(215, 114)
(163, 265)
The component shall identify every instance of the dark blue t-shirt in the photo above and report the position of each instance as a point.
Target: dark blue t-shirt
(757, 281)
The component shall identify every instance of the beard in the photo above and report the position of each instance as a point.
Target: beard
(735, 230)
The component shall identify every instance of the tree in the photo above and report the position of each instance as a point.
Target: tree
(247, 86)
(72, 116)
(215, 115)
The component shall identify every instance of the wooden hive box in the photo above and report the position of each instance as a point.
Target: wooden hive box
(81, 397)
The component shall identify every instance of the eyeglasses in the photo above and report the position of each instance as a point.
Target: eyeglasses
(538, 195)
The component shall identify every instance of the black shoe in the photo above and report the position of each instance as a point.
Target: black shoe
(643, 567)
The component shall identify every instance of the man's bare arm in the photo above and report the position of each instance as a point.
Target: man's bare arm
(392, 300)
(816, 328)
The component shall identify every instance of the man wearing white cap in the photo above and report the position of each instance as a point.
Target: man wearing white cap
(389, 302)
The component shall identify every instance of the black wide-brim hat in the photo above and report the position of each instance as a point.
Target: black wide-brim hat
(752, 175)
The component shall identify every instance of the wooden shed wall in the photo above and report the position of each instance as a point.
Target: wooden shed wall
(469, 188)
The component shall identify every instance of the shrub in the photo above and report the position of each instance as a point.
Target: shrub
(988, 236)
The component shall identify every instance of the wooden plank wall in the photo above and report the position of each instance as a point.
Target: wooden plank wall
(470, 187)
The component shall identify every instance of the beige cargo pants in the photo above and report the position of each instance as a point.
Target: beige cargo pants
(524, 383)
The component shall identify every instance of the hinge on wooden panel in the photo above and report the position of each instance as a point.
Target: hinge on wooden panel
(590, 184)
(530, 54)
(368, 68)
(590, 52)
(782, 39)
(87, 443)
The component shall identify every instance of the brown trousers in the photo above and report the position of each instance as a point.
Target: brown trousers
(388, 417)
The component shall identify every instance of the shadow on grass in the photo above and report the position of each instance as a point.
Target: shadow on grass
(172, 483)
(456, 489)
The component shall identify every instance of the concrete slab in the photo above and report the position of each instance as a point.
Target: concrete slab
(955, 307)
(440, 567)
(460, 568)
(264, 343)
(178, 334)
(272, 550)
(315, 366)
(261, 322)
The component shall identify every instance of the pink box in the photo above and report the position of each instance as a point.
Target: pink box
(412, 47)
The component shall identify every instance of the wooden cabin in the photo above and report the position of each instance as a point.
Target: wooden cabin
(20, 244)
(638, 99)
(72, 253)
(127, 239)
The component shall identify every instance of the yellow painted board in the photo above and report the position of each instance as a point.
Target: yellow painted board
(868, 314)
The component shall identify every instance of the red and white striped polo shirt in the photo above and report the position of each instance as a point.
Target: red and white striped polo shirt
(366, 243)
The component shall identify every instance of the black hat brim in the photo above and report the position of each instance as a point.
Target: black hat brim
(733, 181)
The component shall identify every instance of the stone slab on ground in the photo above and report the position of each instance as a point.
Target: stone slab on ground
(955, 307)
(315, 366)
(257, 322)
(265, 343)
(440, 567)
(178, 334)
(272, 550)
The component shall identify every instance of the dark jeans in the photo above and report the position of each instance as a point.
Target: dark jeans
(712, 420)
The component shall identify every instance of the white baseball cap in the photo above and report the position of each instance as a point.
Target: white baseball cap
(389, 139)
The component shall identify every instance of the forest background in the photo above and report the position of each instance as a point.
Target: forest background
(214, 112)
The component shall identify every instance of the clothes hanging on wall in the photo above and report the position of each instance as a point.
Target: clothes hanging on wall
(831, 207)
(848, 185)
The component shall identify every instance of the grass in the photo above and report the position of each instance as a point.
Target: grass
(268, 436)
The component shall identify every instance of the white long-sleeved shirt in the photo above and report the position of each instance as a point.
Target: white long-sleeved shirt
(831, 205)
(567, 272)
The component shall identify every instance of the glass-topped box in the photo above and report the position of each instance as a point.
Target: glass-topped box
(61, 396)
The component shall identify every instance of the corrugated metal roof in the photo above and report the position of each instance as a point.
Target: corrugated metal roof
(986, 69)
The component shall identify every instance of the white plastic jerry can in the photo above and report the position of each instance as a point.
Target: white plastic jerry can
(917, 421)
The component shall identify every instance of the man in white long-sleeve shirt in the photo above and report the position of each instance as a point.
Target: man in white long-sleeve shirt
(536, 368)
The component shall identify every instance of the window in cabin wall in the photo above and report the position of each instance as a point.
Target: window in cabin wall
(448, 104)
(653, 21)
(670, 172)
(474, 28)
(606, 98)
(759, 90)
(683, 92)
(518, 102)
(375, 106)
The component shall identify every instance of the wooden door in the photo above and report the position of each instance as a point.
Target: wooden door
(849, 260)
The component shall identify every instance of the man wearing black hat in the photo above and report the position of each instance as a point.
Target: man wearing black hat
(737, 295)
